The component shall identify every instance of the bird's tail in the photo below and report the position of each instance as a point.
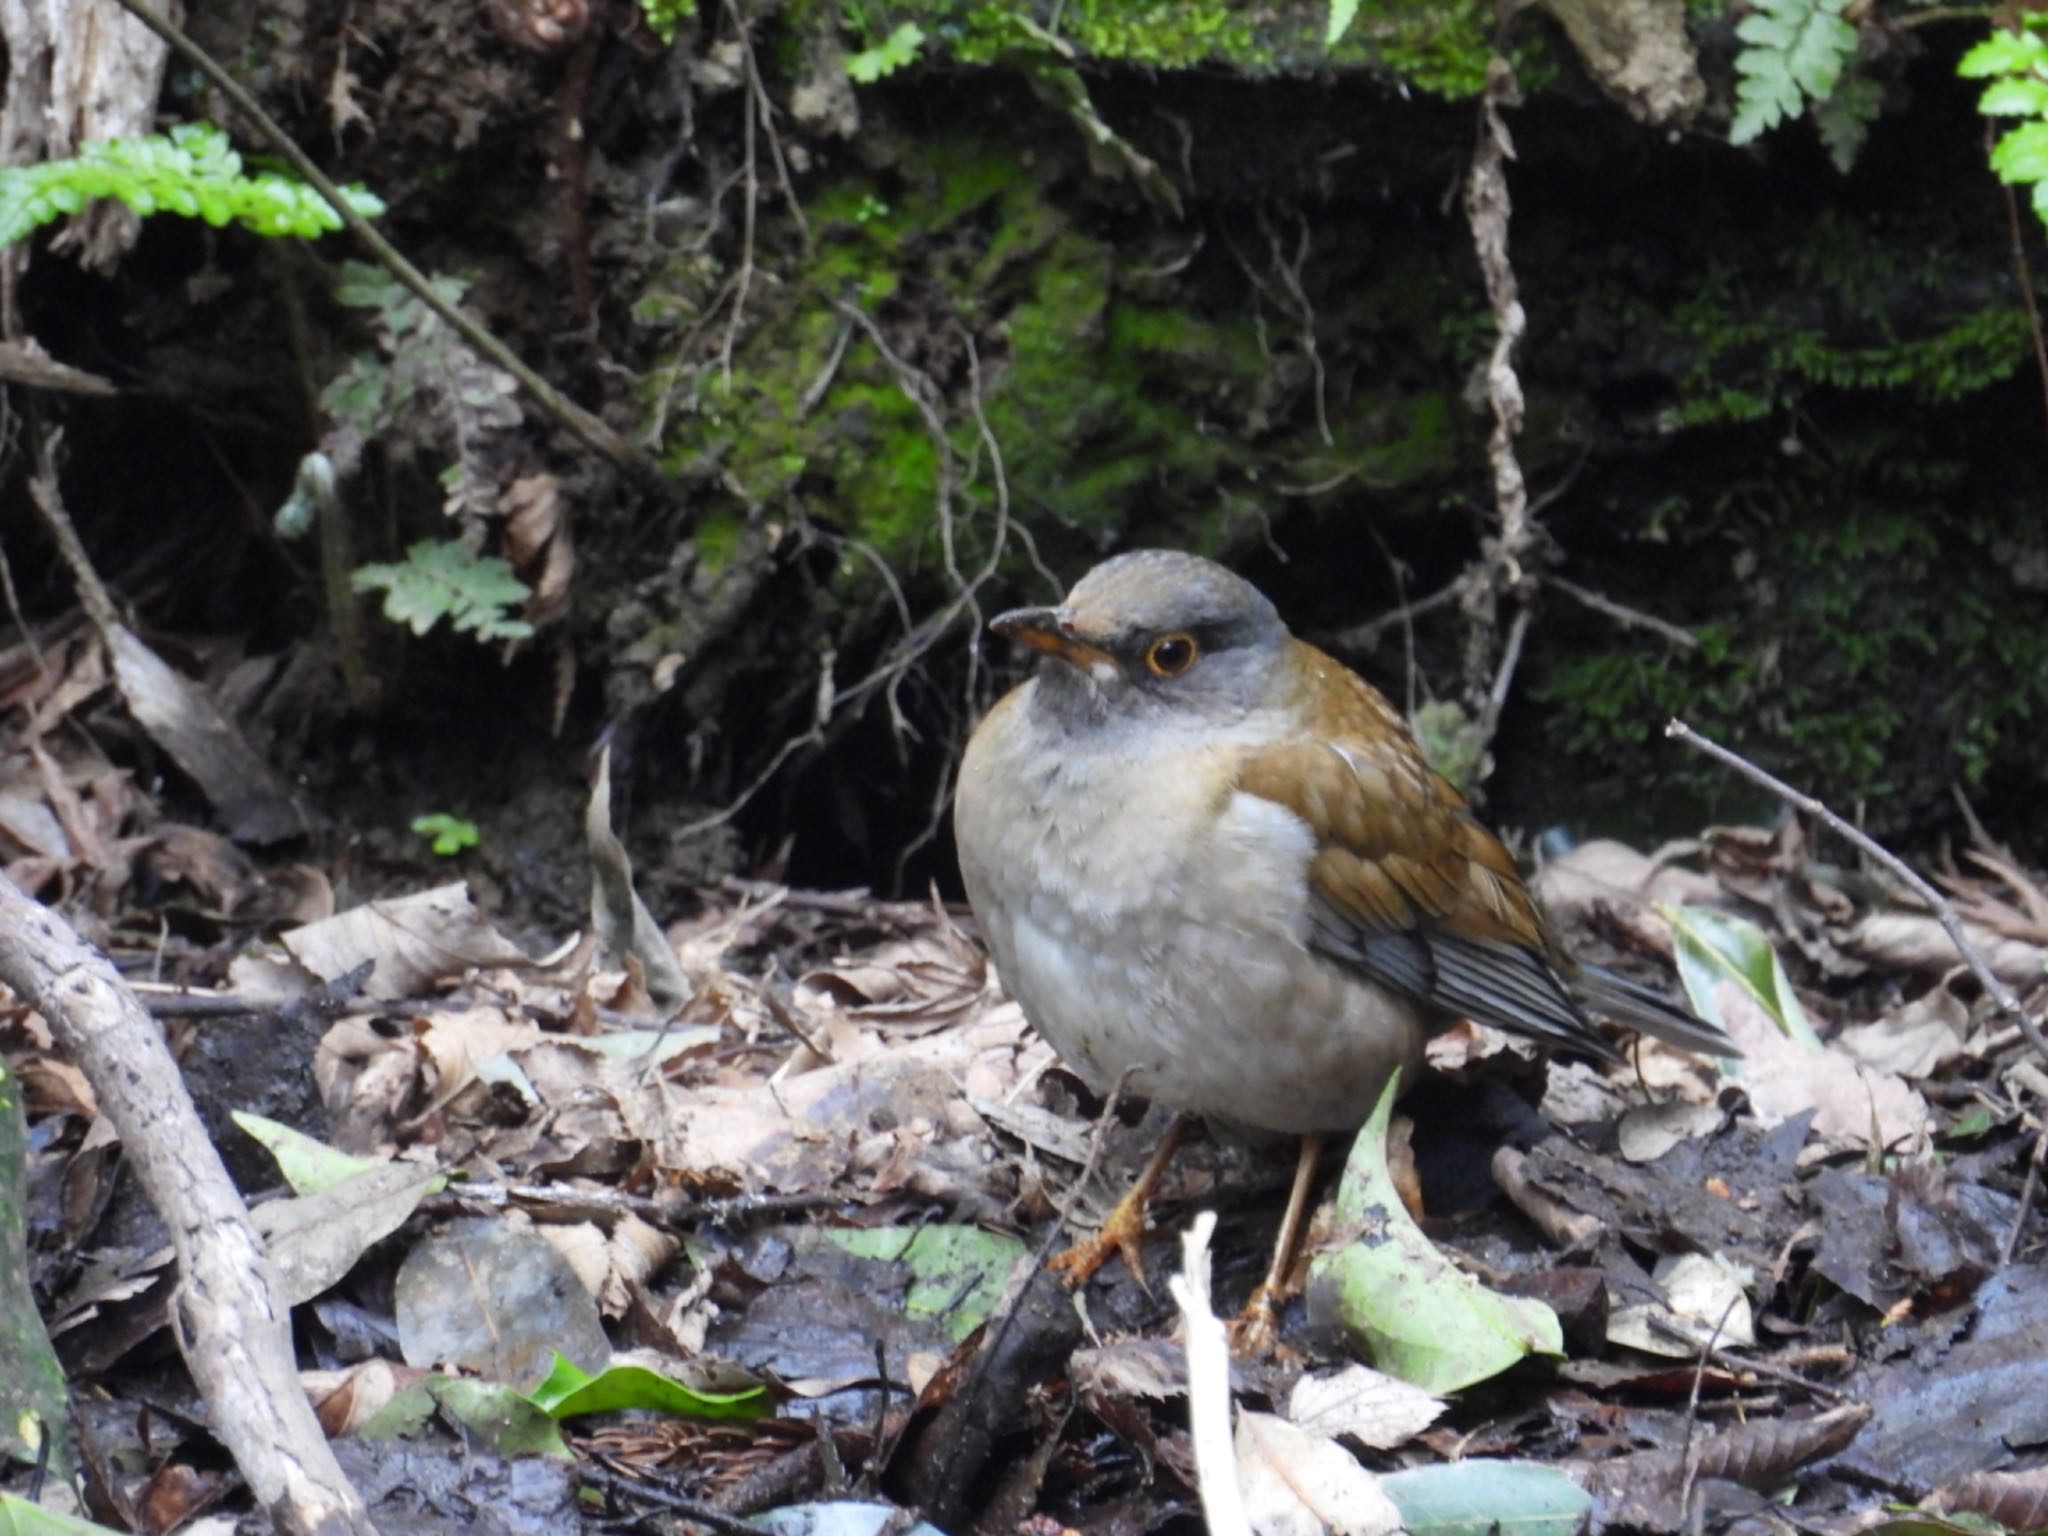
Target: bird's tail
(1613, 996)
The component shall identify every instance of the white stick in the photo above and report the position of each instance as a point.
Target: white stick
(1208, 1386)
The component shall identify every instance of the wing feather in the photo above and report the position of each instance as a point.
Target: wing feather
(1411, 890)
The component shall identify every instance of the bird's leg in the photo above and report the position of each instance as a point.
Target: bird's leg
(1125, 1228)
(1255, 1330)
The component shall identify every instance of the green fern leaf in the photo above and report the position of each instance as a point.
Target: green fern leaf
(442, 580)
(1794, 52)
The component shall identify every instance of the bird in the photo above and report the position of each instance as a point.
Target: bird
(1215, 869)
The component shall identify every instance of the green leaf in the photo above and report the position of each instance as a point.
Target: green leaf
(1481, 1497)
(1844, 119)
(568, 1390)
(1794, 51)
(192, 171)
(887, 56)
(1413, 1313)
(1972, 1123)
(2021, 155)
(2019, 96)
(2004, 53)
(1713, 947)
(18, 1517)
(502, 1419)
(450, 834)
(1342, 14)
(440, 579)
(958, 1272)
(309, 1166)
(665, 17)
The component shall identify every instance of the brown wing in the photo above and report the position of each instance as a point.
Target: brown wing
(1409, 888)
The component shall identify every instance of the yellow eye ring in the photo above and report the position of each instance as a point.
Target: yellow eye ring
(1171, 655)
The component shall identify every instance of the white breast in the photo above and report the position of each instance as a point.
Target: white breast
(1152, 921)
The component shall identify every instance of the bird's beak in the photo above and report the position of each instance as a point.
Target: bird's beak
(1048, 630)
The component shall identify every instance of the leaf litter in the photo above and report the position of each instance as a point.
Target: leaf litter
(814, 1193)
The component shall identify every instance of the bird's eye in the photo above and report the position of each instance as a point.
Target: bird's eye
(1170, 655)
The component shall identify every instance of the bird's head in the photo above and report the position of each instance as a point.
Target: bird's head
(1157, 633)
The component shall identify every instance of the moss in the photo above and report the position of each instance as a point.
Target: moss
(1438, 48)
(1849, 309)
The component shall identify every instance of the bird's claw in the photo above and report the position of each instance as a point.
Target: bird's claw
(1122, 1233)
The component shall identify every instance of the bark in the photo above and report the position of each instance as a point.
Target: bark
(235, 1335)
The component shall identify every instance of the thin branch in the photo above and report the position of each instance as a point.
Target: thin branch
(1622, 614)
(2026, 278)
(2001, 995)
(572, 416)
(1504, 675)
(1363, 637)
(748, 209)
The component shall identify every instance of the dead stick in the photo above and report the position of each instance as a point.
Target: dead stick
(2002, 996)
(235, 1334)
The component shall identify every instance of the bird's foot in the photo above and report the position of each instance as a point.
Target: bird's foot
(1255, 1330)
(1122, 1233)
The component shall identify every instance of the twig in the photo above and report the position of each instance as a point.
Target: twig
(750, 204)
(2027, 1193)
(1208, 1352)
(1504, 677)
(767, 110)
(1686, 1457)
(1622, 614)
(2001, 995)
(1363, 637)
(571, 415)
(612, 1476)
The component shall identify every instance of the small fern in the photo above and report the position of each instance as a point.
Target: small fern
(2016, 64)
(665, 17)
(192, 171)
(439, 579)
(1794, 51)
(886, 57)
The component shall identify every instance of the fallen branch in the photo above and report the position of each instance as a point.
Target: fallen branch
(235, 1336)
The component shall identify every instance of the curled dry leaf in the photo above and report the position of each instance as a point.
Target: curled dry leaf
(2016, 1500)
(415, 941)
(1647, 1490)
(611, 1263)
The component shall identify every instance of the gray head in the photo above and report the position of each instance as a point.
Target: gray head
(1158, 633)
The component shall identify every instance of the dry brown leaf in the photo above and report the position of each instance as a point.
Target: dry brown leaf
(1852, 1103)
(415, 940)
(1914, 1039)
(346, 1400)
(1604, 875)
(1374, 1409)
(1915, 941)
(1301, 1484)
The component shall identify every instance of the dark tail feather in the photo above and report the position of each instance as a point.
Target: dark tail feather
(1615, 997)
